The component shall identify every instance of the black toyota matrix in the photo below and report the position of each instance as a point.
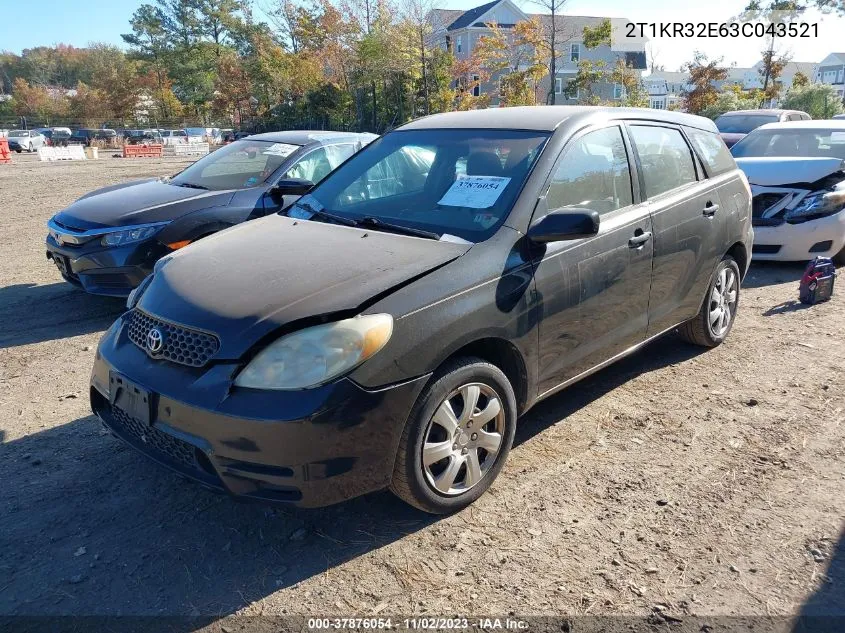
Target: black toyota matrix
(389, 328)
(108, 241)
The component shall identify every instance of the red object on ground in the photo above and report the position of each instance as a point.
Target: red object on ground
(143, 151)
(5, 154)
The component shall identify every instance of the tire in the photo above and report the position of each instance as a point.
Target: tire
(468, 464)
(839, 258)
(18, 151)
(714, 321)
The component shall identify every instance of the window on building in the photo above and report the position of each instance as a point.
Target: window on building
(593, 174)
(829, 76)
(665, 157)
(841, 76)
(476, 86)
(558, 85)
(618, 91)
(459, 44)
(574, 52)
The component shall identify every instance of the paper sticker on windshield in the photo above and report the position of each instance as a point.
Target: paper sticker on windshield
(281, 149)
(837, 137)
(475, 192)
(486, 220)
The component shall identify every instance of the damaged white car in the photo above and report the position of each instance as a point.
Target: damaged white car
(797, 176)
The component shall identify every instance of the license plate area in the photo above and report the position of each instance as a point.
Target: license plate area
(62, 263)
(130, 398)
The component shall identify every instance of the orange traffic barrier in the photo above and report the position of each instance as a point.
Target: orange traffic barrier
(143, 151)
(5, 154)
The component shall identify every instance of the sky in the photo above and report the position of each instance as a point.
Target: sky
(79, 22)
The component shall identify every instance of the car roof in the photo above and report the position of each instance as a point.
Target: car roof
(306, 137)
(829, 124)
(761, 111)
(548, 118)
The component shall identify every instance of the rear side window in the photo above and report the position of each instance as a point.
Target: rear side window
(712, 150)
(665, 157)
(593, 174)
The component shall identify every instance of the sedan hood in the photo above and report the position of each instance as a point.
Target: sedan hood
(138, 202)
(771, 170)
(251, 280)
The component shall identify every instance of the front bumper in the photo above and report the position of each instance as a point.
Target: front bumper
(309, 448)
(800, 242)
(111, 271)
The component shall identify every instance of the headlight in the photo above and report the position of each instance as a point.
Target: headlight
(135, 296)
(316, 355)
(818, 204)
(134, 234)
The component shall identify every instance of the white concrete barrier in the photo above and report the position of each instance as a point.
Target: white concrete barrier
(187, 149)
(71, 152)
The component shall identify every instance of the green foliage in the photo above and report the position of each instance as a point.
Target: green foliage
(820, 101)
(729, 101)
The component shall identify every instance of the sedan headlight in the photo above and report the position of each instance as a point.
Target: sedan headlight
(318, 354)
(818, 205)
(130, 235)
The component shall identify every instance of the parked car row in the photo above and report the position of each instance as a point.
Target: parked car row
(392, 306)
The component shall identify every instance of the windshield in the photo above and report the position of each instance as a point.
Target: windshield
(242, 164)
(19, 133)
(743, 124)
(792, 143)
(459, 182)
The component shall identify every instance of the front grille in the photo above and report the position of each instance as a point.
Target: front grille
(180, 344)
(164, 443)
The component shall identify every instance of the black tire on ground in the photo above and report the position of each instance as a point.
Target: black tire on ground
(839, 258)
(410, 482)
(18, 151)
(699, 330)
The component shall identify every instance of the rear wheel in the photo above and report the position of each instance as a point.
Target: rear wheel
(457, 438)
(718, 310)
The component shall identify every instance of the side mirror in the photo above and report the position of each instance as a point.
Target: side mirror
(564, 224)
(292, 187)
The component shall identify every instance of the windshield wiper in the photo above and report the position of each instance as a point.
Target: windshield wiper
(324, 214)
(376, 223)
(191, 185)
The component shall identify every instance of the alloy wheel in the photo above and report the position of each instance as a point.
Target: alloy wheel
(723, 302)
(463, 439)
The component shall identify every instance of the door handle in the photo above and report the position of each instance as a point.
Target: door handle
(639, 239)
(710, 209)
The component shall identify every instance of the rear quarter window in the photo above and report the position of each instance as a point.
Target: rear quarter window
(712, 150)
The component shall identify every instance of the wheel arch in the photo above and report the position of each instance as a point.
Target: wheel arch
(740, 254)
(504, 355)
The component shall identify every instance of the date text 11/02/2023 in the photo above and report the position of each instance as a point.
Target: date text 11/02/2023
(418, 624)
(721, 29)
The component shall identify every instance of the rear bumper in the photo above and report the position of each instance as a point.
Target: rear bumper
(106, 271)
(309, 448)
(800, 242)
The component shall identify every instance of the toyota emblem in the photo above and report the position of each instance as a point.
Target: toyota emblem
(155, 341)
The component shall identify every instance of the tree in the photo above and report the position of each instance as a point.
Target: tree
(770, 71)
(87, 106)
(799, 80)
(729, 101)
(513, 55)
(820, 101)
(704, 73)
(554, 36)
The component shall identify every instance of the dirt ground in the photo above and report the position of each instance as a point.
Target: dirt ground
(677, 481)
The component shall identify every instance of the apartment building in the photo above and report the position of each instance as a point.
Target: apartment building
(459, 31)
(831, 70)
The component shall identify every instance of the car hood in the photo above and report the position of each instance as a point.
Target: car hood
(771, 170)
(256, 278)
(138, 202)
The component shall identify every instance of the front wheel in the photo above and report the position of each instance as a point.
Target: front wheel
(718, 310)
(457, 437)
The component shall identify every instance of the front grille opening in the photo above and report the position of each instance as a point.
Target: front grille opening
(177, 450)
(821, 247)
(764, 201)
(765, 249)
(181, 345)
